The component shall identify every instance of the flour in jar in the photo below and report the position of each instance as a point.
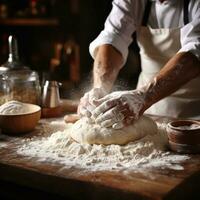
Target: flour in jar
(58, 147)
(14, 107)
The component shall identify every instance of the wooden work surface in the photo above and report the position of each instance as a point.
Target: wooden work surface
(80, 184)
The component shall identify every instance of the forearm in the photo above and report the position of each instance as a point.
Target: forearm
(182, 68)
(107, 64)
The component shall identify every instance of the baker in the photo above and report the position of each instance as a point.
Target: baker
(168, 34)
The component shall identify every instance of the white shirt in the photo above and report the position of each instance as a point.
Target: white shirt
(126, 16)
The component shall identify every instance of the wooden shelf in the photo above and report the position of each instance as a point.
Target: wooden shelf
(29, 22)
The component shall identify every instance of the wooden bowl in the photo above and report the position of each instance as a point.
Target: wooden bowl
(184, 136)
(20, 123)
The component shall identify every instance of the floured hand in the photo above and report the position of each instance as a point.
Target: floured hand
(86, 105)
(119, 109)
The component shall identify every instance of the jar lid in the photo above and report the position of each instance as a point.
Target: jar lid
(13, 62)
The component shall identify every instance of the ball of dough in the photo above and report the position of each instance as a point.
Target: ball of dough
(84, 131)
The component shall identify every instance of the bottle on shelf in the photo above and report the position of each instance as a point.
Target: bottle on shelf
(23, 82)
(3, 9)
(65, 65)
(13, 62)
(59, 64)
(33, 8)
(73, 52)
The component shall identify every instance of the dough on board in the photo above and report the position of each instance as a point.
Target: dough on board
(83, 131)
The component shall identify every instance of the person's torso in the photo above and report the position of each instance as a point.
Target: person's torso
(157, 46)
(168, 14)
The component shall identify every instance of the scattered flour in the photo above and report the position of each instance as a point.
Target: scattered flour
(3, 141)
(56, 145)
(3, 145)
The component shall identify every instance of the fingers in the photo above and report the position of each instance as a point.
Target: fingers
(82, 111)
(113, 113)
(110, 122)
(113, 116)
(98, 102)
(96, 94)
(118, 125)
(115, 110)
(103, 107)
(117, 117)
(107, 123)
(86, 105)
(85, 108)
(114, 123)
(126, 122)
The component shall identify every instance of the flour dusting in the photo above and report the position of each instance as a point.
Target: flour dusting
(3, 145)
(14, 107)
(3, 141)
(55, 145)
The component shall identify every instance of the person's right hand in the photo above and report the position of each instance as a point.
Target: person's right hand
(86, 105)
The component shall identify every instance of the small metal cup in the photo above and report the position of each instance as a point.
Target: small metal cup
(50, 95)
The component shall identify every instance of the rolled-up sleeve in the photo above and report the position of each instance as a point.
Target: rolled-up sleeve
(190, 35)
(118, 28)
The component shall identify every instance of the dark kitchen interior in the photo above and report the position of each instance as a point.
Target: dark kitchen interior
(39, 159)
(46, 28)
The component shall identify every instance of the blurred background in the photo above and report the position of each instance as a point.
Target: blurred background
(54, 36)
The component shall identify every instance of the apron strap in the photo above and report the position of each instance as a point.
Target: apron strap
(186, 11)
(148, 9)
(146, 13)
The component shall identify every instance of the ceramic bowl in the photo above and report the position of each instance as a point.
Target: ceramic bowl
(184, 136)
(20, 123)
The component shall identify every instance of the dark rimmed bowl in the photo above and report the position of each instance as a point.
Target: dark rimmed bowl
(184, 136)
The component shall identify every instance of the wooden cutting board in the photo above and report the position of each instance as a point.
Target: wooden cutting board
(77, 183)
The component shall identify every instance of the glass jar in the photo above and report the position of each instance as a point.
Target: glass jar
(24, 86)
(23, 83)
(5, 90)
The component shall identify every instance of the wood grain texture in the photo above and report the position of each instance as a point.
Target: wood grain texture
(76, 183)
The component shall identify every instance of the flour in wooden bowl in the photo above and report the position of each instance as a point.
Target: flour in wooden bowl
(13, 108)
(57, 146)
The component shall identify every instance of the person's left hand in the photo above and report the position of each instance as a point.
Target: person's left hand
(119, 109)
(86, 106)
